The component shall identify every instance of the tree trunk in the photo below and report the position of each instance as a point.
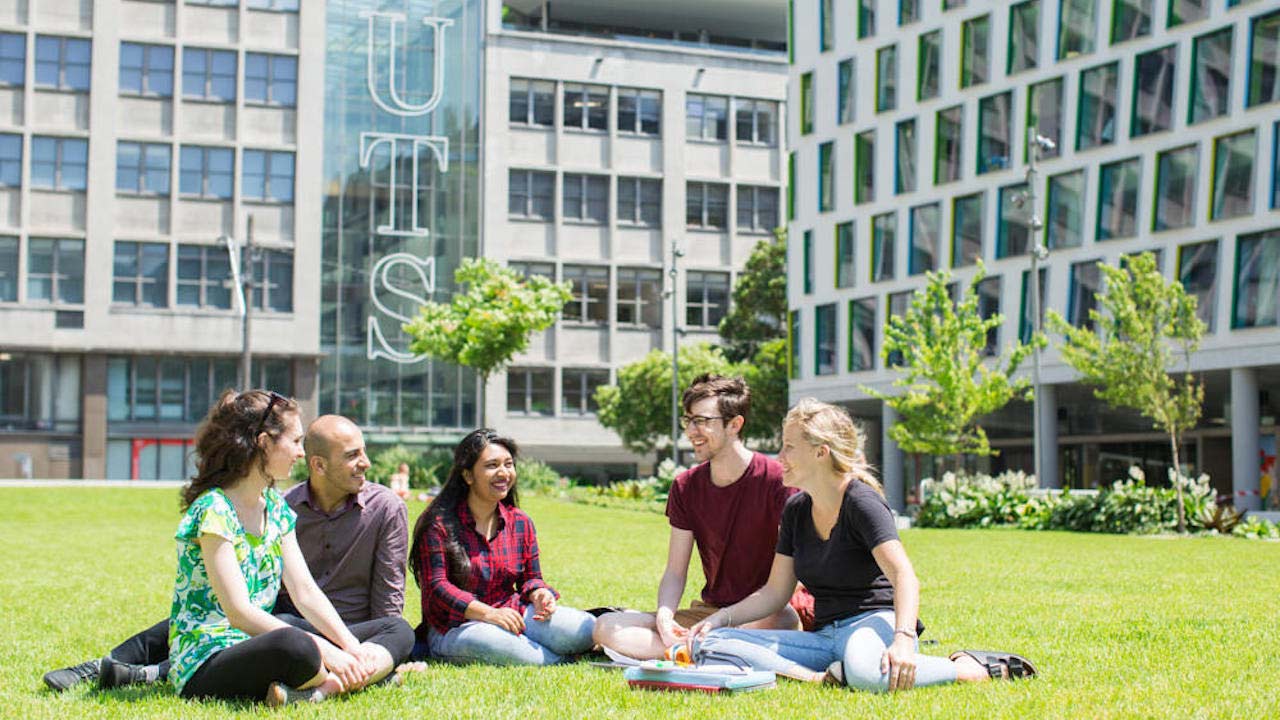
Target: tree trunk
(1177, 483)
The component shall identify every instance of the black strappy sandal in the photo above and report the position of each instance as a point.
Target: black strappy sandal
(1000, 665)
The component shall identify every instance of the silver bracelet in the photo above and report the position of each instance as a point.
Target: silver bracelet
(909, 633)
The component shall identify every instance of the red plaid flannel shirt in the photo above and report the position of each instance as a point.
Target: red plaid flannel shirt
(504, 570)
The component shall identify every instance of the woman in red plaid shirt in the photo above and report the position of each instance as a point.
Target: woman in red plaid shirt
(475, 557)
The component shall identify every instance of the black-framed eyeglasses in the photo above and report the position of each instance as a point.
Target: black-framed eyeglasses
(698, 421)
(275, 398)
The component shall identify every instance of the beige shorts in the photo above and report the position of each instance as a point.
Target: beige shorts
(694, 614)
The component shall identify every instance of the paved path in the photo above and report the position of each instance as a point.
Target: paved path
(145, 484)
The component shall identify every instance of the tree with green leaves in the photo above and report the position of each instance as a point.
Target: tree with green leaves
(759, 311)
(638, 408)
(1146, 325)
(489, 320)
(948, 378)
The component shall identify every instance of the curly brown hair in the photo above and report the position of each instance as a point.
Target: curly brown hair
(227, 440)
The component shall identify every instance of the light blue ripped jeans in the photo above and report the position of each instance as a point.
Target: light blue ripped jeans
(859, 641)
(567, 632)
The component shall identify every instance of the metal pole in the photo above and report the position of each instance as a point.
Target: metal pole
(676, 254)
(1038, 253)
(246, 277)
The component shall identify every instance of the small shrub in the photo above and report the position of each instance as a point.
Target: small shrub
(427, 469)
(1256, 528)
(538, 478)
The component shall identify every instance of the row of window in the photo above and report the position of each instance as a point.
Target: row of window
(157, 389)
(639, 294)
(639, 112)
(585, 199)
(64, 63)
(1255, 301)
(39, 391)
(530, 391)
(1232, 195)
(60, 163)
(276, 5)
(1154, 78)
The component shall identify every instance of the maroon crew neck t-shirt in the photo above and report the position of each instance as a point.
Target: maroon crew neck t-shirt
(735, 527)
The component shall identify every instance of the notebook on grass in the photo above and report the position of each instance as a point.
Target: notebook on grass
(710, 678)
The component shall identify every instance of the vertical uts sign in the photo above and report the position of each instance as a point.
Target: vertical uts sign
(404, 216)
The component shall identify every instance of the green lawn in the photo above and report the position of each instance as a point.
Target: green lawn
(1119, 626)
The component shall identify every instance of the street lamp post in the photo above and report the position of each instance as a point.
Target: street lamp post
(673, 273)
(242, 260)
(1036, 143)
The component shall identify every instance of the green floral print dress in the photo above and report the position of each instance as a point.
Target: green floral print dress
(198, 627)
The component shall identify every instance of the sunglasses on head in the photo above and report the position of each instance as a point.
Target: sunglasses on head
(275, 398)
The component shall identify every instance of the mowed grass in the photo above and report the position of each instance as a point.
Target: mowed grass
(1119, 626)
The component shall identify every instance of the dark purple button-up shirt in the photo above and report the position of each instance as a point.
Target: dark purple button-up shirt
(357, 554)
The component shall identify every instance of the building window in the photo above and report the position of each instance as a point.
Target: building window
(141, 274)
(1153, 90)
(826, 24)
(866, 18)
(276, 5)
(884, 235)
(1097, 113)
(1176, 188)
(13, 59)
(39, 392)
(529, 391)
(1275, 166)
(59, 163)
(1066, 210)
(1077, 24)
(824, 337)
(273, 276)
(206, 172)
(925, 229)
(707, 117)
(1024, 37)
(1264, 60)
(586, 107)
(1044, 113)
(146, 69)
(1257, 289)
(1185, 11)
(754, 121)
(1086, 283)
(639, 111)
(578, 390)
(975, 51)
(1130, 19)
(862, 334)
(640, 297)
(826, 177)
(844, 254)
(994, 130)
(142, 168)
(55, 270)
(531, 195)
(1118, 199)
(528, 270)
(988, 307)
(806, 103)
(8, 268)
(846, 96)
(757, 208)
(1232, 189)
(1025, 326)
(640, 201)
(706, 205)
(204, 272)
(209, 74)
(1012, 235)
(10, 160)
(270, 79)
(966, 230)
(887, 78)
(590, 288)
(791, 185)
(62, 63)
(267, 176)
(952, 4)
(929, 60)
(904, 180)
(898, 304)
(908, 11)
(1198, 273)
(532, 102)
(706, 299)
(586, 198)
(1210, 75)
(807, 268)
(864, 151)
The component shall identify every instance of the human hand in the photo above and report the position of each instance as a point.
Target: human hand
(369, 657)
(669, 631)
(342, 665)
(899, 661)
(507, 619)
(544, 604)
(699, 631)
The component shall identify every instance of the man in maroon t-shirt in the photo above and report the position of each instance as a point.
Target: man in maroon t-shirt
(730, 506)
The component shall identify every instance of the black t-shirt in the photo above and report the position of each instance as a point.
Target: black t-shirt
(840, 572)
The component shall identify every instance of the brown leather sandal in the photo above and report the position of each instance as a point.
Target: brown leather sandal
(1000, 665)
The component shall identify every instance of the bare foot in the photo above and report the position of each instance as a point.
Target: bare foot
(408, 667)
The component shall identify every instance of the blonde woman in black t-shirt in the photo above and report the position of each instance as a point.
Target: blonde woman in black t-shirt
(838, 537)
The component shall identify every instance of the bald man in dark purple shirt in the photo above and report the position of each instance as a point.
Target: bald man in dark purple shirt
(354, 537)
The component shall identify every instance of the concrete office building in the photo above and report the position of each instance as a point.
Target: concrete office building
(908, 127)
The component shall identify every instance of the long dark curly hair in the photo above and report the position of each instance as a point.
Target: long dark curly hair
(227, 440)
(445, 507)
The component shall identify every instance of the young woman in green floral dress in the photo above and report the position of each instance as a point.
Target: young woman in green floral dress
(236, 546)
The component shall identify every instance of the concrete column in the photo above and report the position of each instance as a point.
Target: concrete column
(1245, 464)
(1051, 478)
(305, 391)
(93, 417)
(891, 461)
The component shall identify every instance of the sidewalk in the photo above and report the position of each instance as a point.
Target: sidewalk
(16, 483)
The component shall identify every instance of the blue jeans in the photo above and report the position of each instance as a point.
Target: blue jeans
(567, 632)
(858, 641)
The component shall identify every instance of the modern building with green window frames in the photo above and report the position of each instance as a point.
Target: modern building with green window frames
(1164, 119)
